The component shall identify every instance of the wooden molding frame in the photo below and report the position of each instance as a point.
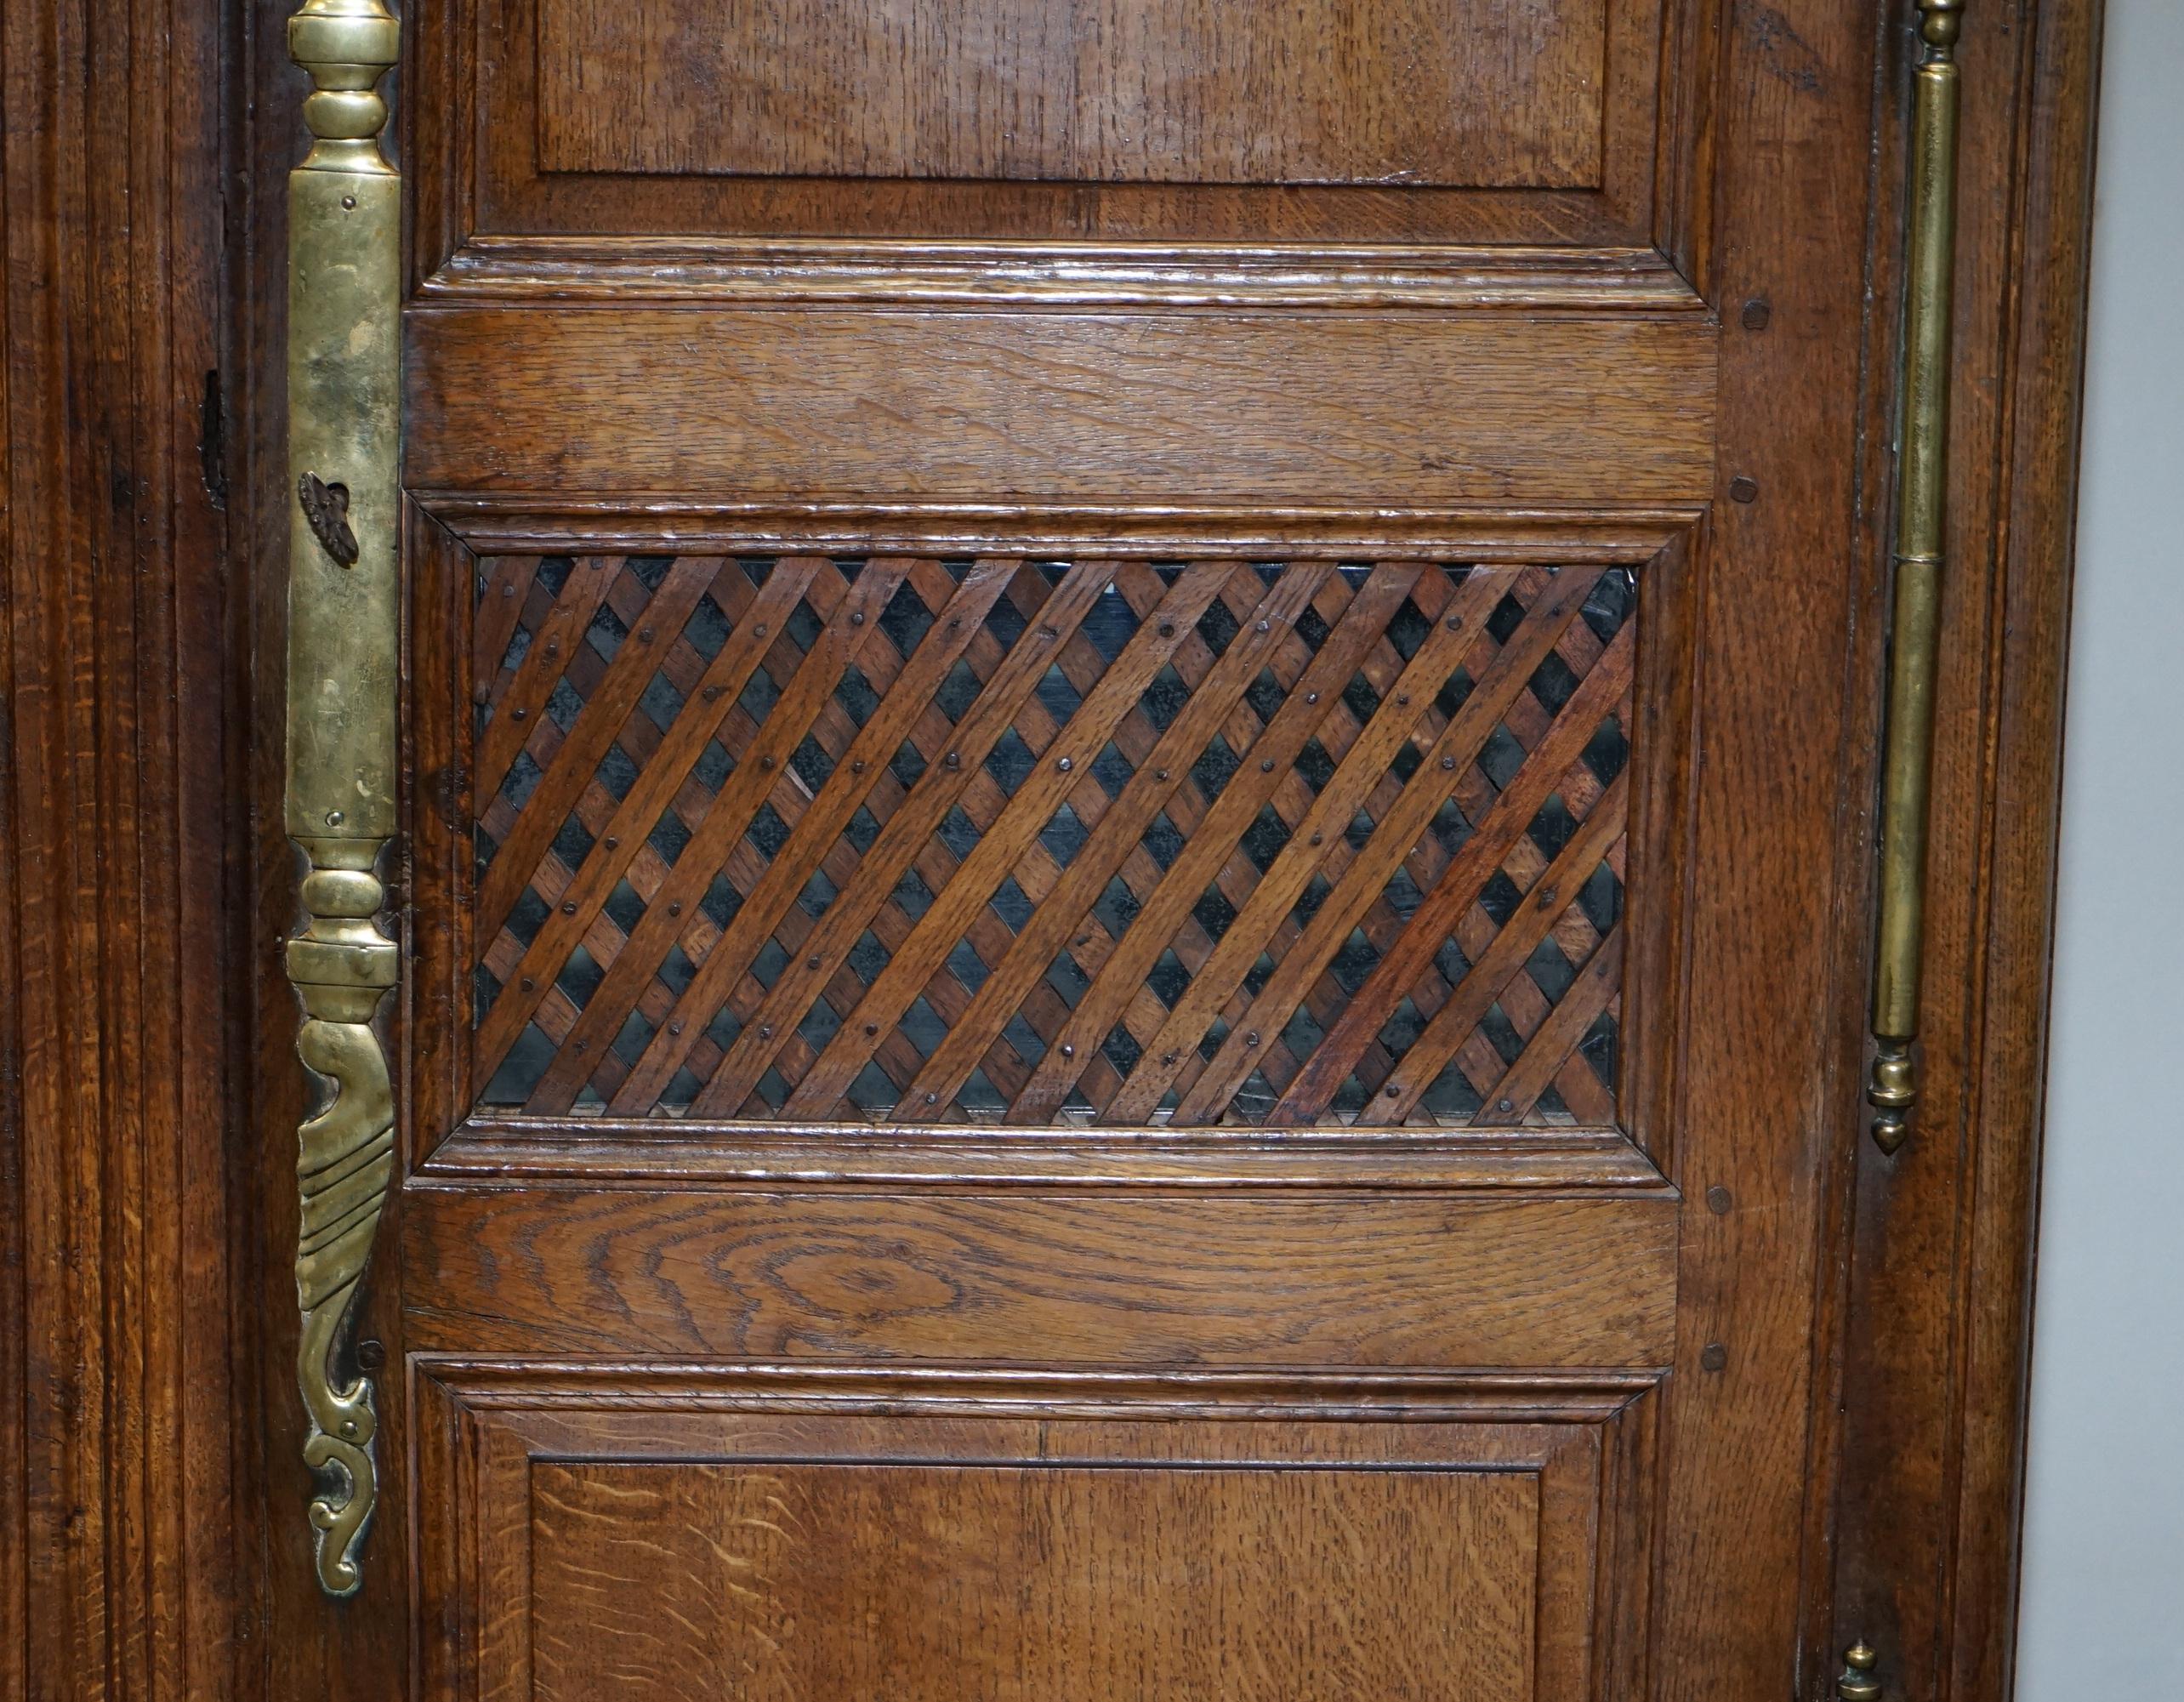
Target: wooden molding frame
(1938, 1281)
(132, 1223)
(122, 797)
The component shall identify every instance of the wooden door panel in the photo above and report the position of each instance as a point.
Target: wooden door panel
(778, 1534)
(1167, 121)
(1126, 91)
(1090, 1277)
(1121, 766)
(1445, 410)
(1014, 839)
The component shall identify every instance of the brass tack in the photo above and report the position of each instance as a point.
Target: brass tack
(1266, 765)
(553, 646)
(644, 634)
(348, 205)
(508, 590)
(1714, 1356)
(612, 843)
(1394, 1091)
(955, 759)
(765, 762)
(1160, 774)
(759, 631)
(1069, 1051)
(1168, 1057)
(674, 1028)
(1064, 764)
(1311, 696)
(529, 985)
(1506, 1105)
(334, 818)
(765, 1033)
(1448, 762)
(569, 908)
(1266, 626)
(871, 1029)
(711, 694)
(1402, 696)
(1168, 629)
(521, 714)
(675, 908)
(1252, 1039)
(579, 1045)
(811, 963)
(857, 619)
(857, 767)
(1315, 839)
(932, 1099)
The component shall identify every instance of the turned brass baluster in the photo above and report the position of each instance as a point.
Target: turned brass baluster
(1921, 509)
(345, 228)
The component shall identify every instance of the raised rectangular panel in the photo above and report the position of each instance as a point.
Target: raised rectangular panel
(1050, 122)
(775, 1534)
(1484, 93)
(781, 1581)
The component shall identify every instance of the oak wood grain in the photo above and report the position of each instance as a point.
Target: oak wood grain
(1574, 152)
(794, 1580)
(124, 1383)
(1069, 1491)
(1447, 409)
(1480, 94)
(1372, 1281)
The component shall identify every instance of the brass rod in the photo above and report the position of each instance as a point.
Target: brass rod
(344, 279)
(1922, 499)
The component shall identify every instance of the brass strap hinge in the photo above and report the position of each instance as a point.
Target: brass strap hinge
(1922, 496)
(345, 422)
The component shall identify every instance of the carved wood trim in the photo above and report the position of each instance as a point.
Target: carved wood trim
(726, 271)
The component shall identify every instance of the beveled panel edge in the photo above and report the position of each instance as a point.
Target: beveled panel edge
(884, 1389)
(1283, 276)
(501, 523)
(643, 1155)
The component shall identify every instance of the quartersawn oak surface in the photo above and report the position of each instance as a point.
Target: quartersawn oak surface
(1147, 91)
(1039, 1582)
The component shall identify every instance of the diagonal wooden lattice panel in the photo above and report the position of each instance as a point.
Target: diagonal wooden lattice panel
(1132, 842)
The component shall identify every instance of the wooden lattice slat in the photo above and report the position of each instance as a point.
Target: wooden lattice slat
(923, 840)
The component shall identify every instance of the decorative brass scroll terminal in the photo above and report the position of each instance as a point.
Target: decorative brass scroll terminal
(1920, 522)
(343, 449)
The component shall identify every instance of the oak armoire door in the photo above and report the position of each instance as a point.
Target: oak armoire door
(1122, 859)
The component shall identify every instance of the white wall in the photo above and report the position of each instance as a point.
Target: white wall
(2103, 1603)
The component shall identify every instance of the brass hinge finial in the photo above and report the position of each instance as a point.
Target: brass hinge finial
(1857, 1683)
